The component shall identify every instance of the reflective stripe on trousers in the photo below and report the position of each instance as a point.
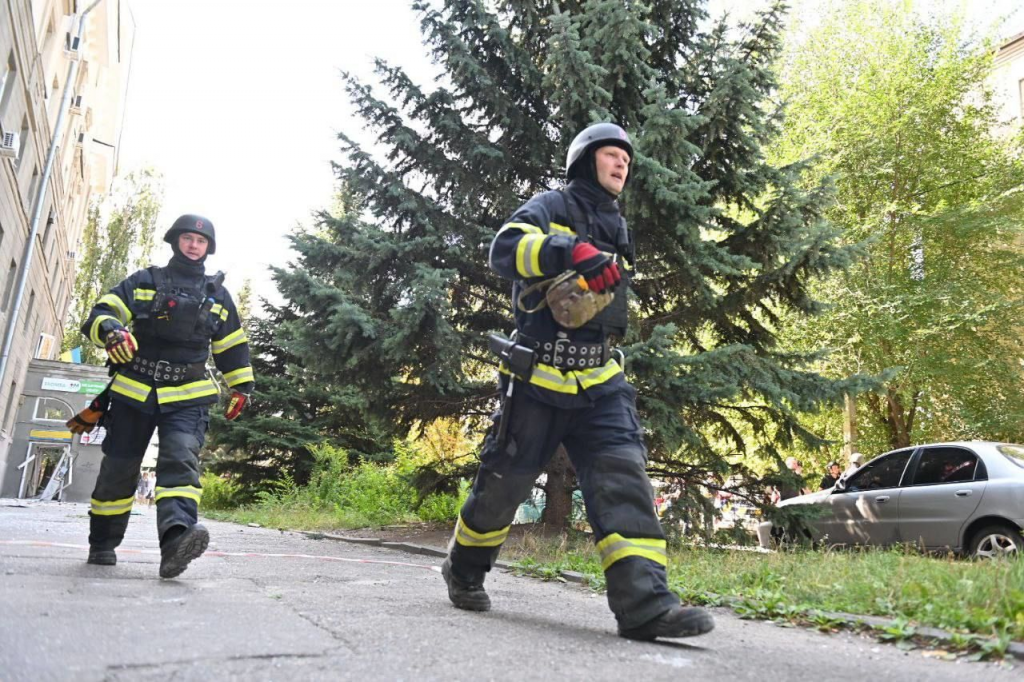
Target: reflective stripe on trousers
(189, 491)
(466, 536)
(615, 547)
(111, 507)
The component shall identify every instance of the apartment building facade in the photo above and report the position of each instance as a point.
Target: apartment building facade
(38, 41)
(1008, 80)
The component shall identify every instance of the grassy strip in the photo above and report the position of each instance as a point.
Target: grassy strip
(969, 598)
(302, 517)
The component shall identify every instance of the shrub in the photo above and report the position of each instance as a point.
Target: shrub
(219, 492)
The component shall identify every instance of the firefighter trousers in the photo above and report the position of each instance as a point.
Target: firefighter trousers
(605, 444)
(181, 433)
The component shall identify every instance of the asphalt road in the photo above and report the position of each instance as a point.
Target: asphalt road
(266, 605)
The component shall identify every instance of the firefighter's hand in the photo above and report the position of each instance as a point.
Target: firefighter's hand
(599, 269)
(235, 406)
(121, 346)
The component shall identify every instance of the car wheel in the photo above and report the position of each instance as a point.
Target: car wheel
(998, 540)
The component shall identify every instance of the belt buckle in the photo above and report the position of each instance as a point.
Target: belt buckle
(557, 359)
(156, 371)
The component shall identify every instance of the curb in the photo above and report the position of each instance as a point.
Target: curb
(1015, 649)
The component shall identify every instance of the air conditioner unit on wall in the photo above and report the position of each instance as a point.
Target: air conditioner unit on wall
(45, 346)
(9, 145)
(71, 47)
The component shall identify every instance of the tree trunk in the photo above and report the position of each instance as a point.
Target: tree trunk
(558, 491)
(849, 425)
(898, 419)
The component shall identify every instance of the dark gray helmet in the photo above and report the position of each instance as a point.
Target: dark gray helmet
(592, 137)
(192, 223)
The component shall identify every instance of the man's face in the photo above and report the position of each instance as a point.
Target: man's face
(612, 168)
(834, 470)
(193, 245)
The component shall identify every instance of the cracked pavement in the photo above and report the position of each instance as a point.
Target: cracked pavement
(267, 605)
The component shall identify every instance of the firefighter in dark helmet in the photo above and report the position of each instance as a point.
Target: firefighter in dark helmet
(158, 328)
(562, 383)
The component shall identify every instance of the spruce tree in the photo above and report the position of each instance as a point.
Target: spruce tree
(291, 409)
(393, 297)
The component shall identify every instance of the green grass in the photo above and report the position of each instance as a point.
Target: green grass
(980, 598)
(339, 496)
(302, 517)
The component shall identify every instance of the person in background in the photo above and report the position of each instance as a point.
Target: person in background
(832, 474)
(856, 460)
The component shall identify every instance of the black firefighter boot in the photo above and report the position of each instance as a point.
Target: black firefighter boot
(179, 546)
(102, 557)
(465, 595)
(679, 621)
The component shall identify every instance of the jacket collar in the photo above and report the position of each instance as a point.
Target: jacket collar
(592, 195)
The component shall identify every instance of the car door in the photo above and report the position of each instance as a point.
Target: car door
(866, 511)
(946, 486)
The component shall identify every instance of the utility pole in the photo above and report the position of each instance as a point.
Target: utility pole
(37, 203)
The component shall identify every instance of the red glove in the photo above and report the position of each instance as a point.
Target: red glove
(235, 405)
(597, 268)
(121, 346)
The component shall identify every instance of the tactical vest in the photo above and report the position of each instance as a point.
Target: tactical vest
(613, 320)
(181, 314)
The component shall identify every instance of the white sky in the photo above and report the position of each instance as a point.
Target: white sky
(237, 103)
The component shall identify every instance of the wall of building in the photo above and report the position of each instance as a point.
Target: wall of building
(1008, 81)
(54, 391)
(33, 71)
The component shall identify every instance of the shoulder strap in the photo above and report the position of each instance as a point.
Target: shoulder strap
(572, 209)
(215, 283)
(159, 278)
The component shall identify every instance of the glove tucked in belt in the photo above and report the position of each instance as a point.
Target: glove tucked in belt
(164, 371)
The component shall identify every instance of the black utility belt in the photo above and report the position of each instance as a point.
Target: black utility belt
(164, 371)
(567, 353)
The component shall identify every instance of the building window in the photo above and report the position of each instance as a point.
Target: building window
(30, 308)
(12, 273)
(50, 220)
(12, 399)
(33, 185)
(22, 142)
(52, 410)
(7, 79)
(55, 264)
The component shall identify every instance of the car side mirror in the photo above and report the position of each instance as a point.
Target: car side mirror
(840, 486)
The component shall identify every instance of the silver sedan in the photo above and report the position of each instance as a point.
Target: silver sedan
(966, 497)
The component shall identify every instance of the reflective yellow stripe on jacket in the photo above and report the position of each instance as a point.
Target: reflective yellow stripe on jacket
(189, 491)
(94, 330)
(130, 388)
(110, 507)
(239, 376)
(175, 394)
(570, 380)
(467, 537)
(144, 294)
(124, 315)
(615, 547)
(230, 341)
(219, 311)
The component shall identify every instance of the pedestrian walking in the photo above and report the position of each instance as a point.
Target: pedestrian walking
(158, 327)
(562, 384)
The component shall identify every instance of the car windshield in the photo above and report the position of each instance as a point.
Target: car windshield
(1014, 453)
